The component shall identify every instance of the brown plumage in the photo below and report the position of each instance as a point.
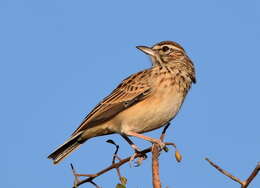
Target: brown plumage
(143, 102)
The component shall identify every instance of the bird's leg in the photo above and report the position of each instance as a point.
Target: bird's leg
(136, 149)
(130, 142)
(147, 138)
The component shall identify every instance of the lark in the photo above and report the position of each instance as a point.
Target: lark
(143, 102)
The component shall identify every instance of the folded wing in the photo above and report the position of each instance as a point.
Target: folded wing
(132, 90)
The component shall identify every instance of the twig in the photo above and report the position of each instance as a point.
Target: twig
(224, 171)
(115, 156)
(116, 165)
(116, 151)
(244, 184)
(252, 175)
(155, 166)
(93, 183)
(77, 180)
(155, 159)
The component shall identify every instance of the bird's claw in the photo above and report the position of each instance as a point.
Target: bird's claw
(140, 159)
(161, 145)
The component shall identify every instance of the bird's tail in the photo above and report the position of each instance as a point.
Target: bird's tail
(65, 149)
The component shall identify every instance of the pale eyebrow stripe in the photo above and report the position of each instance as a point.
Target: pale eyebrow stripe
(170, 46)
(174, 47)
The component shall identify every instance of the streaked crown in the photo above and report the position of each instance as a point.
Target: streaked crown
(167, 45)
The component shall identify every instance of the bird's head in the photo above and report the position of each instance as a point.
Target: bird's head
(164, 52)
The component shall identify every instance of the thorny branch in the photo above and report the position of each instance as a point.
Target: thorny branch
(116, 165)
(245, 183)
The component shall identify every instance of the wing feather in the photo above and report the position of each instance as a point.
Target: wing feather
(133, 89)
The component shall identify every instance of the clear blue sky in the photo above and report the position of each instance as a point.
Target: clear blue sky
(59, 58)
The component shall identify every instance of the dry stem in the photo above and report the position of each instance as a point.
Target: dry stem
(155, 160)
(114, 165)
(155, 166)
(245, 183)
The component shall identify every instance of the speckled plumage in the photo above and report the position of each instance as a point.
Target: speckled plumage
(143, 102)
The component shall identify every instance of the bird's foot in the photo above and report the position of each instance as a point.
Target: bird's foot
(161, 144)
(141, 156)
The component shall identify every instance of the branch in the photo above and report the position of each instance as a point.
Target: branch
(117, 165)
(155, 166)
(115, 156)
(244, 184)
(252, 175)
(91, 177)
(155, 160)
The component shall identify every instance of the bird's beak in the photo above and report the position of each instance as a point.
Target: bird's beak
(146, 50)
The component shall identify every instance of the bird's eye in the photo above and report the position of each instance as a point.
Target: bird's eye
(165, 48)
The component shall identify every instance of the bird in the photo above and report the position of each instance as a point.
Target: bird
(143, 102)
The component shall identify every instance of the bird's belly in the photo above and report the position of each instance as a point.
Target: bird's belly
(149, 114)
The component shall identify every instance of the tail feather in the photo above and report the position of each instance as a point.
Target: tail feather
(65, 149)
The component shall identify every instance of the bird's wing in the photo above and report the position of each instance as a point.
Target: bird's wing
(132, 90)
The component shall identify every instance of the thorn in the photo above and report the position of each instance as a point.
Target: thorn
(72, 167)
(111, 142)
